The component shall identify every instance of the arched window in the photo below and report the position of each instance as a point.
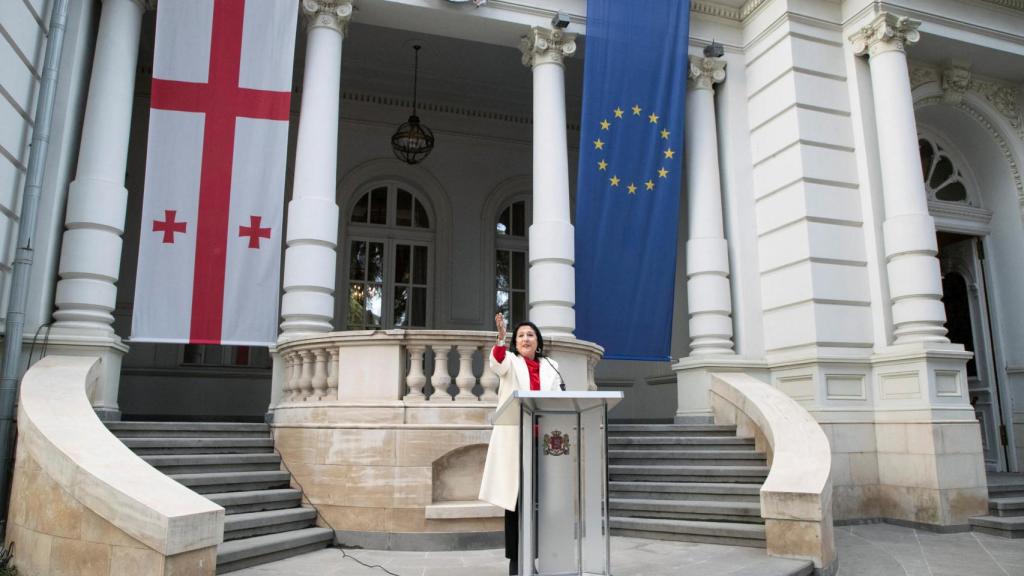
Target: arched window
(390, 259)
(511, 260)
(942, 179)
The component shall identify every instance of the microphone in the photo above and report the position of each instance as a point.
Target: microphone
(561, 381)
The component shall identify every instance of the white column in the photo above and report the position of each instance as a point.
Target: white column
(707, 255)
(97, 199)
(309, 260)
(90, 257)
(915, 285)
(552, 250)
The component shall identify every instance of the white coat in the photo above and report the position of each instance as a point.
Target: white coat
(500, 483)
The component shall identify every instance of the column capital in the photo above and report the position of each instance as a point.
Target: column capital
(547, 46)
(334, 14)
(705, 72)
(887, 32)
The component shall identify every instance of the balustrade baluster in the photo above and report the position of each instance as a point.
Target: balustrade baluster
(415, 379)
(291, 386)
(332, 374)
(319, 380)
(488, 380)
(306, 377)
(440, 380)
(465, 379)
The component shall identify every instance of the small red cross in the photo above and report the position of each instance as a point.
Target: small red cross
(254, 232)
(169, 226)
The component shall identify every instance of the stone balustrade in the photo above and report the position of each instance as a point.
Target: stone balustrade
(409, 365)
(82, 502)
(796, 498)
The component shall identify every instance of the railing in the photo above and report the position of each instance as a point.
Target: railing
(409, 365)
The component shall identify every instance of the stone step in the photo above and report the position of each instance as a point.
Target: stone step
(238, 554)
(199, 463)
(188, 429)
(727, 533)
(1007, 507)
(689, 473)
(670, 430)
(731, 491)
(211, 483)
(688, 442)
(256, 500)
(709, 510)
(238, 526)
(1012, 527)
(152, 446)
(686, 457)
(1005, 490)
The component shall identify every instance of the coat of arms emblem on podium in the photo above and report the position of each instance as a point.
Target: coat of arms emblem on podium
(556, 443)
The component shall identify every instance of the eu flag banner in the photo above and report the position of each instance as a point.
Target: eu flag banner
(630, 174)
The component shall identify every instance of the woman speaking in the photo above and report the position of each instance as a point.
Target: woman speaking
(519, 368)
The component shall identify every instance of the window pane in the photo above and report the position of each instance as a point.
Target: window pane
(943, 170)
(357, 261)
(518, 270)
(954, 192)
(379, 206)
(401, 306)
(422, 221)
(402, 263)
(926, 157)
(374, 296)
(403, 214)
(419, 265)
(361, 208)
(503, 222)
(376, 262)
(419, 307)
(356, 304)
(501, 273)
(518, 307)
(519, 219)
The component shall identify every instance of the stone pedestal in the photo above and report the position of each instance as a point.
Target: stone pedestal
(693, 383)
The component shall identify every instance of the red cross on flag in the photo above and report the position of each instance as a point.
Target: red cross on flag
(210, 245)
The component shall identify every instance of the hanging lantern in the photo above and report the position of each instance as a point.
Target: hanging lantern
(413, 141)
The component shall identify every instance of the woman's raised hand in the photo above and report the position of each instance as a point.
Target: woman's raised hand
(499, 322)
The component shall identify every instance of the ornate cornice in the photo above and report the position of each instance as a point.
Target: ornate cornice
(334, 14)
(717, 10)
(887, 32)
(547, 46)
(705, 72)
(749, 7)
(1012, 4)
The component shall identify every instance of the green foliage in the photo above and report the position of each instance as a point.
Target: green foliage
(7, 561)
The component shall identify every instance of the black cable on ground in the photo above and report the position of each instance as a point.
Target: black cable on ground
(334, 540)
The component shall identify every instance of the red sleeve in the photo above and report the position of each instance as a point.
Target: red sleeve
(499, 354)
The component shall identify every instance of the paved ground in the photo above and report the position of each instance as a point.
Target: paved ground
(868, 550)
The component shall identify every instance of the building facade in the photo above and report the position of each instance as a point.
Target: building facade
(851, 231)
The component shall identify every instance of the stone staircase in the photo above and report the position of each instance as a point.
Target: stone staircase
(695, 483)
(1005, 506)
(234, 465)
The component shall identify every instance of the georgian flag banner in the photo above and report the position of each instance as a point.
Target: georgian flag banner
(210, 245)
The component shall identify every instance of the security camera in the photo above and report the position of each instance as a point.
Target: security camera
(560, 20)
(714, 50)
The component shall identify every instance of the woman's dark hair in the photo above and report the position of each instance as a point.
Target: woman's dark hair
(540, 339)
